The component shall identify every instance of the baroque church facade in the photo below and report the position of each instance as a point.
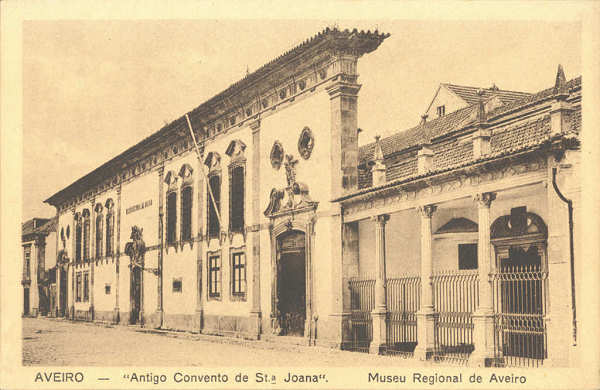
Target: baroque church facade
(453, 240)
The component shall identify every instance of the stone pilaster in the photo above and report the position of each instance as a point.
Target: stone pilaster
(117, 249)
(425, 316)
(34, 294)
(379, 313)
(159, 285)
(92, 257)
(198, 322)
(483, 317)
(255, 312)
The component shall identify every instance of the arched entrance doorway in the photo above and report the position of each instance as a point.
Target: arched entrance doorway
(291, 283)
(520, 288)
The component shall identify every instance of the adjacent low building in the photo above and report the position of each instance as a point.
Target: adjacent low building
(453, 240)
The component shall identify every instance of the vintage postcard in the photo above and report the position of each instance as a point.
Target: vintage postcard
(328, 195)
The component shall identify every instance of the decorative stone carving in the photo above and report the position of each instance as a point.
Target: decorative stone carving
(276, 155)
(297, 192)
(306, 142)
(427, 210)
(186, 173)
(485, 198)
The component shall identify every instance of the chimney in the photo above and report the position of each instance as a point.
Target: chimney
(378, 169)
(559, 112)
(423, 119)
(425, 159)
(481, 136)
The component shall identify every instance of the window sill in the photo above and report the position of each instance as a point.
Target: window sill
(238, 297)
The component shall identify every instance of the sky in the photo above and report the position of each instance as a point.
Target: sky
(92, 89)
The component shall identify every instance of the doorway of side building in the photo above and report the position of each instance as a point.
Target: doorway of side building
(62, 310)
(136, 295)
(26, 301)
(291, 283)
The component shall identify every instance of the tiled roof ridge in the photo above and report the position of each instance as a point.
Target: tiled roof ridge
(487, 89)
(529, 99)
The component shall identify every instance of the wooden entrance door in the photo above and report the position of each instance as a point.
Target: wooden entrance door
(26, 301)
(291, 283)
(136, 295)
(63, 293)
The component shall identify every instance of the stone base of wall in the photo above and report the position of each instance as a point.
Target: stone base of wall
(333, 332)
(104, 316)
(82, 315)
(124, 317)
(232, 326)
(184, 322)
(152, 320)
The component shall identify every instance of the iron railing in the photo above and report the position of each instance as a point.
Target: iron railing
(403, 295)
(455, 297)
(520, 307)
(362, 302)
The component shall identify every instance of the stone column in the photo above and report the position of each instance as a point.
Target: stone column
(379, 313)
(255, 312)
(34, 300)
(426, 316)
(73, 262)
(160, 221)
(483, 317)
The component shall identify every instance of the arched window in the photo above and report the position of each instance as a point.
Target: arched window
(110, 227)
(171, 217)
(99, 230)
(77, 238)
(236, 199)
(86, 235)
(214, 227)
(186, 213)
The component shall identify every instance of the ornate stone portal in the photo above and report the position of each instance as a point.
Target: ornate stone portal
(292, 214)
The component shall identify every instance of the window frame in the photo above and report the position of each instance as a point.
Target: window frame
(217, 271)
(78, 287)
(441, 110)
(110, 229)
(243, 268)
(86, 235)
(209, 204)
(78, 239)
(182, 228)
(171, 229)
(174, 290)
(86, 286)
(99, 236)
(241, 164)
(107, 289)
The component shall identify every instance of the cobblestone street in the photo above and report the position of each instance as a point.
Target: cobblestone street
(50, 342)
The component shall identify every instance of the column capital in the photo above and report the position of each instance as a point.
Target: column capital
(381, 218)
(485, 199)
(427, 210)
(339, 87)
(161, 170)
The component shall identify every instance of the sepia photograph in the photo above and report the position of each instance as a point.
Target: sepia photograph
(404, 196)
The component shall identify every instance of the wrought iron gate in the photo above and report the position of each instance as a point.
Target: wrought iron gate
(520, 307)
(455, 297)
(362, 302)
(403, 296)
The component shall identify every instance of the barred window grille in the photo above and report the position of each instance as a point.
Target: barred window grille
(78, 242)
(186, 213)
(236, 215)
(213, 221)
(238, 278)
(86, 238)
(214, 276)
(171, 217)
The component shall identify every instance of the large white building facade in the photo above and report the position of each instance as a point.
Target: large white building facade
(453, 240)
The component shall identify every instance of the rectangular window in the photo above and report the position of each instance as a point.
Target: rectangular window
(213, 221)
(27, 273)
(78, 287)
(441, 111)
(238, 275)
(186, 213)
(467, 256)
(171, 217)
(214, 276)
(236, 199)
(177, 285)
(107, 289)
(86, 287)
